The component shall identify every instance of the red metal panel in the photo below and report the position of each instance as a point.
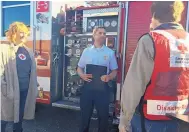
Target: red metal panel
(120, 43)
(138, 24)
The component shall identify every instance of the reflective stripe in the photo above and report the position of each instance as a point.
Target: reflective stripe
(158, 107)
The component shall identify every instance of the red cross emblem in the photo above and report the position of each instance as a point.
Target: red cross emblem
(22, 56)
(182, 48)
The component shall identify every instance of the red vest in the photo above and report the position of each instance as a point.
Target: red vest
(168, 90)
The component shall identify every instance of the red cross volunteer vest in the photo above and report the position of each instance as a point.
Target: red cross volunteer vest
(168, 91)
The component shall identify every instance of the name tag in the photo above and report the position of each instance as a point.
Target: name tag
(105, 57)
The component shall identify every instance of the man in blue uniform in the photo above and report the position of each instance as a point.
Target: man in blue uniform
(96, 67)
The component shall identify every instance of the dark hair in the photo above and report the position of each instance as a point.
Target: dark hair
(95, 29)
(99, 27)
(167, 11)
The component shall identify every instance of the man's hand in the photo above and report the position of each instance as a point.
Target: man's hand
(122, 129)
(86, 77)
(62, 31)
(125, 122)
(105, 78)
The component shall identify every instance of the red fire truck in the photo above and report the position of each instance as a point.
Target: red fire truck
(57, 55)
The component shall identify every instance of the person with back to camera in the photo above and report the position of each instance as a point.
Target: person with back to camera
(157, 81)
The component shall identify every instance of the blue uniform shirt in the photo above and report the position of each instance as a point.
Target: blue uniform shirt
(103, 56)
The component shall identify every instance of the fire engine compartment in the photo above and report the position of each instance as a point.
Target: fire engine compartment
(132, 16)
(79, 24)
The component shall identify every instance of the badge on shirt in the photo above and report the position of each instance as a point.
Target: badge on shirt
(22, 56)
(105, 57)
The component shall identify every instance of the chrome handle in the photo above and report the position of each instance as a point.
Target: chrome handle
(118, 31)
(35, 29)
(124, 43)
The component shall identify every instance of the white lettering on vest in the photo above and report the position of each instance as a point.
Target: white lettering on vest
(158, 107)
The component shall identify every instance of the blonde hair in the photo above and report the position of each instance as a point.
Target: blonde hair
(178, 8)
(14, 28)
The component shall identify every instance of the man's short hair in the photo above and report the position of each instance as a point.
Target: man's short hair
(96, 29)
(167, 11)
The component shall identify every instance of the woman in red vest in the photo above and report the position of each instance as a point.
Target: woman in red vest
(157, 81)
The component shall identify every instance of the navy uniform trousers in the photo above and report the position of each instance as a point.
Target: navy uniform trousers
(95, 93)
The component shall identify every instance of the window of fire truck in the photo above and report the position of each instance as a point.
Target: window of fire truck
(14, 11)
(10, 3)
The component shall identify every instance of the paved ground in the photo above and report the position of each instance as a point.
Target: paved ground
(52, 119)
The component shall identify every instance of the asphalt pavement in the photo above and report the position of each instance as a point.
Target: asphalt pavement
(52, 119)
